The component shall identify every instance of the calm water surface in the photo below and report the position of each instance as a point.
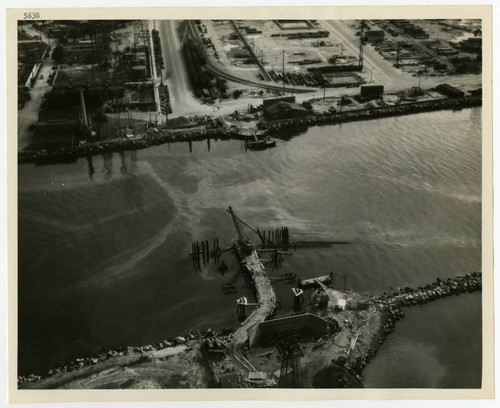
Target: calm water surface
(104, 258)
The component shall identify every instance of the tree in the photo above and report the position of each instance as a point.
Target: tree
(58, 54)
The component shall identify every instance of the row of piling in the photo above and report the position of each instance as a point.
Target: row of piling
(279, 238)
(202, 252)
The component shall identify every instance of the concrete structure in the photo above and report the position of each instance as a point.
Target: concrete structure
(269, 331)
(266, 298)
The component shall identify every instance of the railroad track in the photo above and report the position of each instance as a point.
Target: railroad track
(277, 89)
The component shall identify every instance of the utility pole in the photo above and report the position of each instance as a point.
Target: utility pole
(283, 71)
(398, 54)
(362, 34)
(360, 62)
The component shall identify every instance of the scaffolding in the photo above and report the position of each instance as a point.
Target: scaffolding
(290, 375)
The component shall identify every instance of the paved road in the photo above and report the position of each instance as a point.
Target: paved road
(29, 113)
(154, 74)
(383, 71)
(29, 30)
(181, 94)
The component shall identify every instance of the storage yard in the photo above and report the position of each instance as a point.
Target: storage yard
(107, 82)
(115, 73)
(429, 47)
(289, 53)
(307, 53)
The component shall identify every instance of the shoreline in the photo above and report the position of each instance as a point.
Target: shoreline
(72, 153)
(393, 303)
(349, 369)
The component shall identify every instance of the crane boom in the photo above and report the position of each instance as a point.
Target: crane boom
(236, 225)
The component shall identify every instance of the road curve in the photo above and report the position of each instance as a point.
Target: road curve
(223, 74)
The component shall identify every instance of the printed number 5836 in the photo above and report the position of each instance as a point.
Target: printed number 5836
(32, 16)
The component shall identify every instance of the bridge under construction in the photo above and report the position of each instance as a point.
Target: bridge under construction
(266, 298)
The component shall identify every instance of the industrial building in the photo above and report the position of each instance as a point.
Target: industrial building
(55, 132)
(472, 44)
(450, 91)
(375, 36)
(82, 46)
(271, 101)
(371, 91)
(284, 110)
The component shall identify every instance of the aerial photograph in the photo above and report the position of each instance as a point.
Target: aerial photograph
(249, 204)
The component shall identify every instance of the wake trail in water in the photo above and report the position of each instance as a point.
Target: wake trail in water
(428, 188)
(123, 264)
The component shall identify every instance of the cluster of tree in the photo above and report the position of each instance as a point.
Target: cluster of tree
(58, 54)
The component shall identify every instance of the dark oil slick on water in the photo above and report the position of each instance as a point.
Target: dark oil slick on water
(103, 256)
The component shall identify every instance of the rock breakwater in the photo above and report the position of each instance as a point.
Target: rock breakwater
(226, 133)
